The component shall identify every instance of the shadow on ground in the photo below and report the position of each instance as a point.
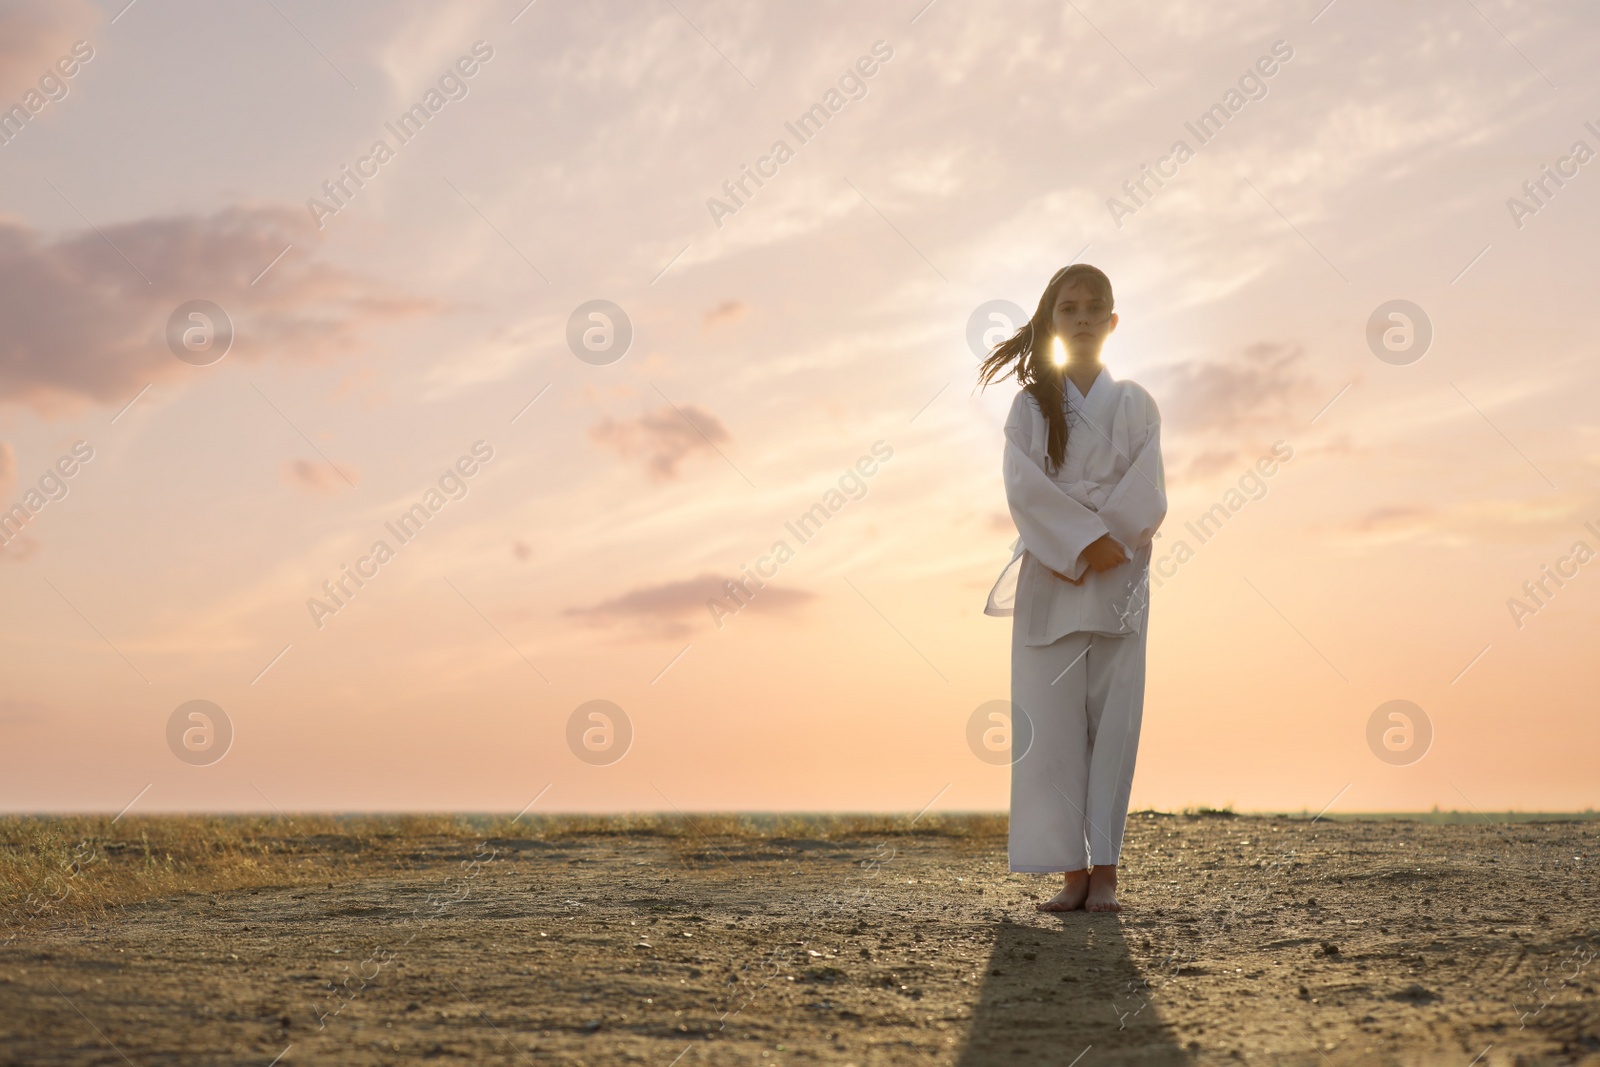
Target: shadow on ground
(1054, 993)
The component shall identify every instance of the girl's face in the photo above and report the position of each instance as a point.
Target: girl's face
(1083, 322)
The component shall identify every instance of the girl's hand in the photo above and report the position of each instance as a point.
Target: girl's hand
(1105, 553)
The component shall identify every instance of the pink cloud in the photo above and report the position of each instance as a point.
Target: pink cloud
(34, 35)
(318, 477)
(662, 438)
(1392, 515)
(86, 313)
(726, 312)
(1267, 385)
(672, 610)
(1222, 414)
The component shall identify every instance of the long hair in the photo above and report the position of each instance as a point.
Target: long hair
(1029, 349)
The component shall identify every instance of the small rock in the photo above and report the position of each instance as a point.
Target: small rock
(1415, 994)
(591, 1026)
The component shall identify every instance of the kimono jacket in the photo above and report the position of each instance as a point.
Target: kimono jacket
(1111, 482)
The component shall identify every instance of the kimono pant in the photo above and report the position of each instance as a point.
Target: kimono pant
(1084, 698)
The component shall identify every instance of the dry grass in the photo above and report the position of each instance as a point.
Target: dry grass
(65, 868)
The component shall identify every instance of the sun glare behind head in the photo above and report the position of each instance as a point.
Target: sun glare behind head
(1058, 351)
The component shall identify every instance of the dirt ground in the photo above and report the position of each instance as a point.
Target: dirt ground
(1246, 939)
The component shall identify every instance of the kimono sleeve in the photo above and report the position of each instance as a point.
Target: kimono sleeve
(1055, 528)
(1137, 505)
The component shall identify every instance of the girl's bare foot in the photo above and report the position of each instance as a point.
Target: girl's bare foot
(1073, 892)
(1102, 895)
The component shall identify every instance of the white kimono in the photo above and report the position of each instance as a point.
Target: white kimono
(1078, 651)
(1111, 481)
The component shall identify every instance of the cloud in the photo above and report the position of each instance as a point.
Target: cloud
(34, 35)
(1264, 386)
(1222, 413)
(8, 466)
(319, 477)
(1389, 524)
(662, 438)
(1540, 519)
(86, 313)
(424, 40)
(670, 610)
(729, 311)
(1390, 516)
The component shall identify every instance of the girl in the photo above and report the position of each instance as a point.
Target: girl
(1084, 483)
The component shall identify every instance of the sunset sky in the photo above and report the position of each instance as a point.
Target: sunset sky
(776, 340)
